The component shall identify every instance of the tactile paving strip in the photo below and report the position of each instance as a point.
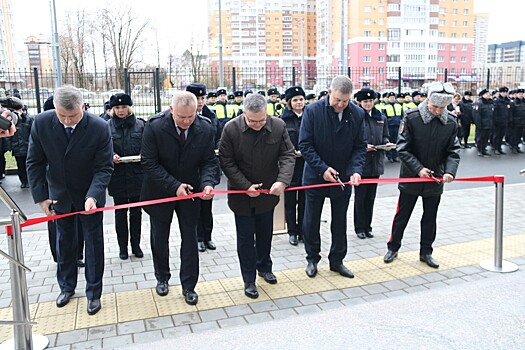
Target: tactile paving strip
(239, 298)
(106, 315)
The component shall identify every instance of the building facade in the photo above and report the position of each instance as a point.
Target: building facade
(481, 29)
(39, 54)
(7, 46)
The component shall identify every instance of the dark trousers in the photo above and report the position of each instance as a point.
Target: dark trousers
(294, 211)
(254, 243)
(394, 132)
(405, 206)
(22, 171)
(312, 225)
(498, 132)
(205, 223)
(67, 250)
(515, 134)
(364, 199)
(465, 131)
(125, 231)
(52, 235)
(189, 255)
(482, 139)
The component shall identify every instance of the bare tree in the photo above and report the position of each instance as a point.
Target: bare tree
(75, 45)
(195, 59)
(123, 32)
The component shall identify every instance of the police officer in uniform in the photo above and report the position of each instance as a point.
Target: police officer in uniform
(211, 99)
(237, 105)
(483, 115)
(502, 115)
(394, 114)
(273, 106)
(465, 107)
(517, 123)
(322, 94)
(223, 110)
(416, 100)
(310, 98)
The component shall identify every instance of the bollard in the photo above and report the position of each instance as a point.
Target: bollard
(498, 264)
(23, 338)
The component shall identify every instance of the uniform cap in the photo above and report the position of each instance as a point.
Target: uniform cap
(197, 89)
(120, 99)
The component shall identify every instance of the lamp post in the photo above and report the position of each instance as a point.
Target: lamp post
(221, 72)
(343, 44)
(55, 45)
(303, 67)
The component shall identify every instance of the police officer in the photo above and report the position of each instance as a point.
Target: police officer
(223, 110)
(273, 106)
(322, 94)
(502, 115)
(483, 115)
(416, 100)
(310, 98)
(465, 107)
(394, 114)
(126, 180)
(517, 123)
(237, 105)
(211, 99)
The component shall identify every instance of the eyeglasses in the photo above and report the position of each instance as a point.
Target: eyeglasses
(250, 121)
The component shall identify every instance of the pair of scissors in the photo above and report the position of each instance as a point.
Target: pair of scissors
(188, 191)
(336, 177)
(431, 174)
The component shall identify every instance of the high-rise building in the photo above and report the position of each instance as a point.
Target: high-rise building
(39, 54)
(7, 46)
(479, 52)
(265, 38)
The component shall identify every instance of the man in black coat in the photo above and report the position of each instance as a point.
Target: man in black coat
(332, 142)
(427, 146)
(502, 115)
(178, 158)
(465, 107)
(483, 115)
(69, 165)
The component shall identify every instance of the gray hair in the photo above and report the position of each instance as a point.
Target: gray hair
(255, 103)
(342, 84)
(68, 97)
(183, 98)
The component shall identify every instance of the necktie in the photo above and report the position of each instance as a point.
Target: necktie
(182, 135)
(69, 133)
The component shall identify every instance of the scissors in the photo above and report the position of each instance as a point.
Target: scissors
(188, 191)
(336, 177)
(431, 174)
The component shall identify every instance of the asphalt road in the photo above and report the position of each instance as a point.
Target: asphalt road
(471, 166)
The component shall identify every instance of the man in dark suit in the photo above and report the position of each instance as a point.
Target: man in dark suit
(69, 165)
(332, 142)
(178, 157)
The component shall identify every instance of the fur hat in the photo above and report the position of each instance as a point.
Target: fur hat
(293, 91)
(120, 99)
(440, 94)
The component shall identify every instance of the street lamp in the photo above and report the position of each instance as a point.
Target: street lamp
(221, 73)
(55, 44)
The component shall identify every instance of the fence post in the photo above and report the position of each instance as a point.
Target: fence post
(498, 265)
(126, 81)
(446, 75)
(488, 79)
(37, 90)
(399, 80)
(157, 90)
(293, 76)
(349, 72)
(234, 81)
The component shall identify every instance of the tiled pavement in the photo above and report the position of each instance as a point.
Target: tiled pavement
(133, 313)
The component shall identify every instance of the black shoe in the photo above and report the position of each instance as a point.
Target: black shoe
(162, 288)
(480, 154)
(137, 252)
(396, 160)
(250, 290)
(210, 245)
(343, 270)
(80, 263)
(486, 154)
(467, 145)
(64, 298)
(499, 151)
(93, 306)
(514, 151)
(519, 150)
(24, 185)
(361, 235)
(293, 240)
(389, 256)
(369, 234)
(311, 269)
(269, 277)
(427, 258)
(201, 246)
(190, 297)
(300, 239)
(123, 255)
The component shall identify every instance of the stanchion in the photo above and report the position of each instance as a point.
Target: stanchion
(498, 264)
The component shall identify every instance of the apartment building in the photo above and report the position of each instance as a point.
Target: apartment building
(481, 28)
(7, 46)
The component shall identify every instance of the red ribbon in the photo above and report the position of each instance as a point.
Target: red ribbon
(39, 220)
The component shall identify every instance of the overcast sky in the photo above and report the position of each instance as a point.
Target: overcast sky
(176, 21)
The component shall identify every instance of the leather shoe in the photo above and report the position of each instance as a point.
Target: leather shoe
(123, 256)
(137, 252)
(389, 256)
(361, 235)
(343, 271)
(369, 234)
(93, 306)
(269, 277)
(427, 258)
(64, 298)
(293, 240)
(210, 245)
(250, 290)
(201, 246)
(311, 269)
(162, 288)
(300, 239)
(190, 297)
(80, 263)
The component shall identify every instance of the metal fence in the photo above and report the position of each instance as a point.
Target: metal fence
(152, 89)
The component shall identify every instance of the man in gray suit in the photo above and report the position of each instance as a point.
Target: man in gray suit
(69, 165)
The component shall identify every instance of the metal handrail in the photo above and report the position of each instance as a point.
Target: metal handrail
(10, 203)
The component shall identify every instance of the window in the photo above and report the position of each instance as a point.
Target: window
(463, 47)
(381, 33)
(381, 21)
(454, 23)
(381, 46)
(452, 59)
(368, 33)
(367, 21)
(442, 22)
(381, 9)
(381, 58)
(367, 46)
(464, 35)
(452, 47)
(441, 34)
(465, 12)
(441, 59)
(367, 9)
(394, 7)
(453, 35)
(367, 59)
(465, 23)
(454, 11)
(441, 46)
(366, 70)
(463, 59)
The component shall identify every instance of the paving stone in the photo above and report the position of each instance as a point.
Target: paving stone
(285, 303)
(375, 289)
(262, 306)
(285, 313)
(212, 315)
(469, 270)
(175, 331)
(258, 318)
(205, 326)
(238, 310)
(102, 332)
(414, 280)
(354, 292)
(63, 347)
(433, 277)
(309, 299)
(470, 278)
(415, 289)
(395, 285)
(330, 305)
(159, 323)
(186, 318)
(454, 281)
(395, 293)
(307, 309)
(90, 344)
(147, 337)
(130, 327)
(374, 297)
(332, 295)
(453, 273)
(71, 337)
(434, 285)
(233, 321)
(117, 342)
